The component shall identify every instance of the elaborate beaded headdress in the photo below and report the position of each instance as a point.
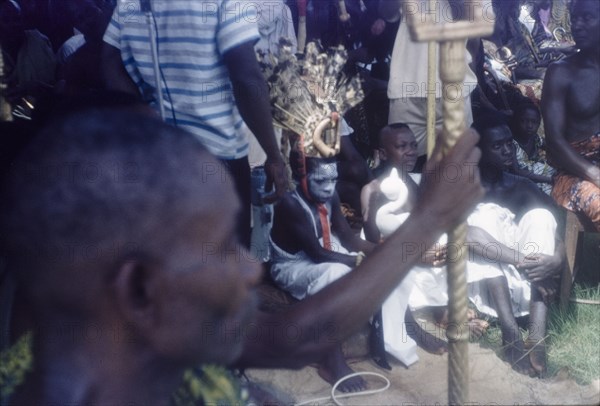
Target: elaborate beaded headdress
(309, 96)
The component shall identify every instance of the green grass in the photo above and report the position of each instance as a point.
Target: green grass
(573, 336)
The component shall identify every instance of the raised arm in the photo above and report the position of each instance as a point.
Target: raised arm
(554, 113)
(342, 229)
(340, 309)
(114, 75)
(252, 99)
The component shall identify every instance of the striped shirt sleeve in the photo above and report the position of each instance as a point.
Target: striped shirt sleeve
(238, 24)
(112, 34)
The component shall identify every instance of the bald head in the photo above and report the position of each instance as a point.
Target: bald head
(389, 130)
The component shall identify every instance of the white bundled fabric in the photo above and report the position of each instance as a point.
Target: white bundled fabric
(297, 273)
(533, 234)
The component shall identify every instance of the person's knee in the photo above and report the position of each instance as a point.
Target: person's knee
(541, 220)
(541, 217)
(337, 271)
(497, 282)
(499, 291)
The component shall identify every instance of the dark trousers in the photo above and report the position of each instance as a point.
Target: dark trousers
(239, 169)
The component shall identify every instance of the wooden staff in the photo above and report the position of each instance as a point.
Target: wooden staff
(5, 109)
(452, 64)
(431, 92)
(301, 25)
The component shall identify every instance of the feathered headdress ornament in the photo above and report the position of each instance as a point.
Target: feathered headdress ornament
(309, 97)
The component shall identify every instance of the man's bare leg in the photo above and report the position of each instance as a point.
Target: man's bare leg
(512, 341)
(334, 367)
(425, 340)
(535, 344)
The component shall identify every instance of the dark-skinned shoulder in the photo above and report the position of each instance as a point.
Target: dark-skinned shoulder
(288, 203)
(562, 66)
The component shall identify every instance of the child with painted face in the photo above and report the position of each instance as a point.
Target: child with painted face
(312, 245)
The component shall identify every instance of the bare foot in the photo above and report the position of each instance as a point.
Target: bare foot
(440, 315)
(537, 355)
(477, 327)
(425, 340)
(431, 343)
(516, 356)
(334, 367)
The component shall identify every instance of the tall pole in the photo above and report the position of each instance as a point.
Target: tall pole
(452, 73)
(431, 92)
(451, 38)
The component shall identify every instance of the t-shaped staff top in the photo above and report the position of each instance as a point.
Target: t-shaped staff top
(477, 20)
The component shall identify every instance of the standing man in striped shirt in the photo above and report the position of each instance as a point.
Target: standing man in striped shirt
(211, 83)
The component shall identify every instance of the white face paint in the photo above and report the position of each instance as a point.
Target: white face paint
(321, 182)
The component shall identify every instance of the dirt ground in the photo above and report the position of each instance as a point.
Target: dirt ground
(492, 382)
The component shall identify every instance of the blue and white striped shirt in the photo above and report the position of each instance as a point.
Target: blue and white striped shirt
(193, 36)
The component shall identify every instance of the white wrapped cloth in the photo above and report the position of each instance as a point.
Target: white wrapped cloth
(534, 233)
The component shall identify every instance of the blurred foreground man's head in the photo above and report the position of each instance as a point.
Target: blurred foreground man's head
(124, 227)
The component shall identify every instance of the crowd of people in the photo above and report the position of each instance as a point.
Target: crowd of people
(128, 262)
